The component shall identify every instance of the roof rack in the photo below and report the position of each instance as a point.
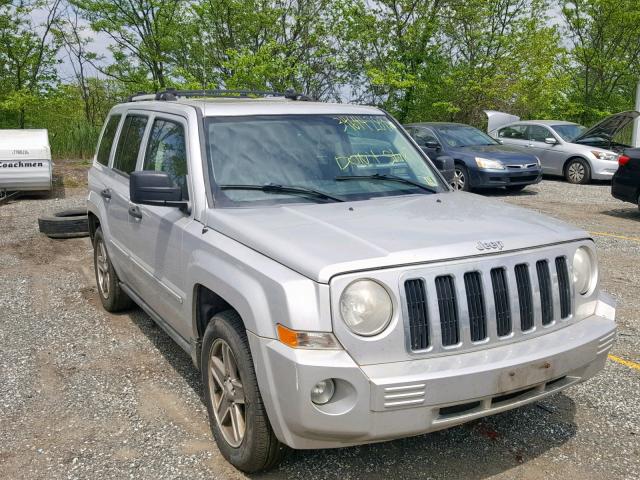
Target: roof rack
(171, 94)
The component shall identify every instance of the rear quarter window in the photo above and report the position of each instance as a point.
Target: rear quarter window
(104, 150)
(129, 143)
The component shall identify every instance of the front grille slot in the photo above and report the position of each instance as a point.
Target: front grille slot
(475, 302)
(501, 300)
(563, 287)
(546, 297)
(448, 308)
(418, 313)
(525, 296)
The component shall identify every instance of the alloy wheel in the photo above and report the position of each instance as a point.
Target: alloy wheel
(459, 180)
(576, 172)
(227, 393)
(102, 268)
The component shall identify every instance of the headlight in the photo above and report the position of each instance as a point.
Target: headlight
(585, 272)
(605, 155)
(492, 164)
(366, 307)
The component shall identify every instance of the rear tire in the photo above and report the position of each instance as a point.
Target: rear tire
(113, 298)
(238, 421)
(577, 171)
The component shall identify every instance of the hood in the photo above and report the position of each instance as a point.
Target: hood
(504, 153)
(498, 119)
(602, 133)
(323, 240)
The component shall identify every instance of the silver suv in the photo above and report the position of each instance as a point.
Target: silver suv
(330, 286)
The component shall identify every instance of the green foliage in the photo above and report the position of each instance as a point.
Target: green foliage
(605, 56)
(442, 60)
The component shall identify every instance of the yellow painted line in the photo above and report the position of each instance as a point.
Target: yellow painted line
(626, 363)
(621, 237)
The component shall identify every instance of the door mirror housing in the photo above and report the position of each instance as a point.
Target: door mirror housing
(550, 141)
(446, 165)
(155, 188)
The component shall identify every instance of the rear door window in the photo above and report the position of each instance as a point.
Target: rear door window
(104, 150)
(167, 152)
(515, 132)
(129, 143)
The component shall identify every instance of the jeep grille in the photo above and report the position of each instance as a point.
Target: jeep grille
(482, 305)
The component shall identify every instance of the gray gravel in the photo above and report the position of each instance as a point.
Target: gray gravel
(87, 394)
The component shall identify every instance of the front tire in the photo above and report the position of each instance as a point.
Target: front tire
(460, 178)
(237, 415)
(577, 172)
(113, 298)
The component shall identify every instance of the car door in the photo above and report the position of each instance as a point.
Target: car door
(124, 162)
(157, 232)
(514, 136)
(551, 155)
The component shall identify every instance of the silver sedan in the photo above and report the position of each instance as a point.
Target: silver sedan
(564, 148)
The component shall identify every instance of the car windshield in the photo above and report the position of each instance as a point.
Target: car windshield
(569, 131)
(291, 155)
(463, 136)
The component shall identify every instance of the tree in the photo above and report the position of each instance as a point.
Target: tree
(503, 55)
(143, 33)
(71, 34)
(605, 56)
(261, 44)
(393, 50)
(27, 54)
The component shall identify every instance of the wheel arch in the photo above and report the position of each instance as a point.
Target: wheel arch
(94, 223)
(575, 157)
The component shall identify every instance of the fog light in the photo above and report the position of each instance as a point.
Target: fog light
(323, 391)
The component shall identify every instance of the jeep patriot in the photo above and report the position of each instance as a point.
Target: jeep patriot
(328, 283)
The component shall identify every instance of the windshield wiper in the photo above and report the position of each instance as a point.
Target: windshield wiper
(390, 178)
(274, 188)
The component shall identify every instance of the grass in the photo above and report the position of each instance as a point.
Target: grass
(74, 141)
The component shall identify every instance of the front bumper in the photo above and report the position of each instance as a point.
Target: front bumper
(603, 169)
(504, 178)
(386, 401)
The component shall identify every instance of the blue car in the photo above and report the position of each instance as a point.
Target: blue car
(480, 161)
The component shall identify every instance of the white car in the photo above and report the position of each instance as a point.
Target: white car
(564, 148)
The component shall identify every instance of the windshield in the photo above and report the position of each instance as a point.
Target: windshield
(312, 152)
(569, 131)
(463, 136)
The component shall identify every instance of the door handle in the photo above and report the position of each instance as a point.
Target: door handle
(106, 194)
(135, 212)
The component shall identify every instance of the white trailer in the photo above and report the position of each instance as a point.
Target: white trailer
(25, 161)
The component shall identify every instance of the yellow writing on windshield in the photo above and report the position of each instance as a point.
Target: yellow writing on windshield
(358, 123)
(368, 158)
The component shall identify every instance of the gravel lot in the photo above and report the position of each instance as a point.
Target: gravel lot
(86, 394)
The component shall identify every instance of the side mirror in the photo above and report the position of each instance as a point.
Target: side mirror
(431, 145)
(155, 188)
(500, 141)
(550, 140)
(447, 167)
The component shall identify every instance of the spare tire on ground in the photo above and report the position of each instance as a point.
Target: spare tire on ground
(65, 224)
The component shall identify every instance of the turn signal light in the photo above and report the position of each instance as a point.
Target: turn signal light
(313, 340)
(623, 160)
